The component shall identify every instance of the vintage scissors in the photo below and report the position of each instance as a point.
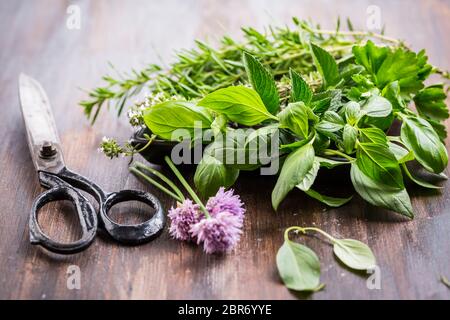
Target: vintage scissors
(62, 183)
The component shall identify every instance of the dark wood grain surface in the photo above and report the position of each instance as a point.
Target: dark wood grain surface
(412, 255)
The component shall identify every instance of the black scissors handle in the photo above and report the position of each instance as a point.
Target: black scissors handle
(64, 185)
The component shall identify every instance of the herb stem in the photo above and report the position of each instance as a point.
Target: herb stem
(155, 183)
(355, 34)
(305, 230)
(162, 177)
(338, 153)
(187, 186)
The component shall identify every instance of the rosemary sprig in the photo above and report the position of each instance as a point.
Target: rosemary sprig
(204, 69)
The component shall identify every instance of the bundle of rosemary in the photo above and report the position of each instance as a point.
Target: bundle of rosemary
(329, 98)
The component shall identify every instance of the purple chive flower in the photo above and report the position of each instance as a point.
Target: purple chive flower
(182, 218)
(219, 233)
(226, 201)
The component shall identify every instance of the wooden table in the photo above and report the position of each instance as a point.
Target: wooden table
(412, 255)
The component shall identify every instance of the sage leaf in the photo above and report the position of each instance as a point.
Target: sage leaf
(310, 176)
(354, 254)
(166, 118)
(240, 104)
(298, 266)
(380, 194)
(379, 163)
(377, 107)
(294, 170)
(263, 83)
(419, 136)
(211, 174)
(295, 118)
(326, 65)
(349, 137)
(300, 89)
(329, 201)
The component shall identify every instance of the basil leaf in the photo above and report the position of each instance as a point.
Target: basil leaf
(418, 135)
(211, 174)
(240, 104)
(300, 89)
(349, 138)
(326, 65)
(401, 154)
(418, 180)
(294, 170)
(263, 82)
(329, 163)
(379, 163)
(331, 122)
(352, 112)
(380, 194)
(298, 266)
(310, 176)
(329, 201)
(295, 118)
(377, 107)
(165, 118)
(374, 135)
(354, 254)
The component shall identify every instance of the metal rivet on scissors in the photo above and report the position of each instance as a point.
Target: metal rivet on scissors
(62, 183)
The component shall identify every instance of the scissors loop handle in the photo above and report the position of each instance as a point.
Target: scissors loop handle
(86, 215)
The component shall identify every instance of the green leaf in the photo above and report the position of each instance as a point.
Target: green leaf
(295, 118)
(419, 136)
(380, 194)
(263, 83)
(354, 254)
(330, 163)
(310, 176)
(392, 93)
(377, 107)
(326, 65)
(401, 154)
(370, 56)
(166, 118)
(379, 163)
(418, 180)
(329, 201)
(430, 102)
(352, 112)
(211, 174)
(240, 104)
(373, 135)
(331, 122)
(349, 138)
(294, 170)
(298, 266)
(300, 89)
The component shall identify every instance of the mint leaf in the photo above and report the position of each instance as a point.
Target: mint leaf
(380, 194)
(326, 65)
(263, 82)
(419, 136)
(240, 104)
(300, 89)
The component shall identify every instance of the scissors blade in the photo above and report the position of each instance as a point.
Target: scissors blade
(42, 135)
